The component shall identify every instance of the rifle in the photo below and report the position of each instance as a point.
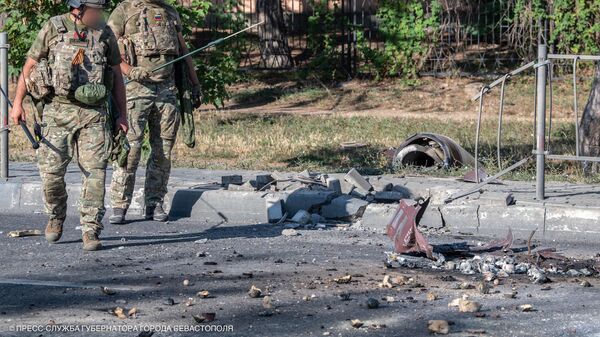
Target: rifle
(35, 144)
(210, 44)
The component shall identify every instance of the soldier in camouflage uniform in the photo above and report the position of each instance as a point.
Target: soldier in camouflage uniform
(80, 53)
(149, 35)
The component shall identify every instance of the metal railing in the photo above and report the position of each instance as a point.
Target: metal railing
(542, 144)
(4, 105)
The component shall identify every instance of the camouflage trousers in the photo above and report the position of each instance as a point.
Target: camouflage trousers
(70, 129)
(152, 105)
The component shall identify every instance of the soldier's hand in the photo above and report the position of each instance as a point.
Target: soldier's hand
(17, 113)
(139, 74)
(196, 96)
(122, 124)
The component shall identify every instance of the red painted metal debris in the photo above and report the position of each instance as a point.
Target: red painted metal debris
(403, 230)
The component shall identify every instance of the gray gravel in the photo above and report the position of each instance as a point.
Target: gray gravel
(146, 264)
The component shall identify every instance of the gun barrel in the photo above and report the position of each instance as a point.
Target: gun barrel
(196, 51)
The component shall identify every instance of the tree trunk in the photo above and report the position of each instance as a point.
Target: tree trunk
(590, 127)
(274, 50)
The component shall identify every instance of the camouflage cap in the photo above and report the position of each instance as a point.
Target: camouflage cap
(88, 3)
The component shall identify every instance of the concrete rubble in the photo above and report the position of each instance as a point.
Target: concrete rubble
(306, 199)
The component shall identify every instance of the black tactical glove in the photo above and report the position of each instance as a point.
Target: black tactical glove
(196, 96)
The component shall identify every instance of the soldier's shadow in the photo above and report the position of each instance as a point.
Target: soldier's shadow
(215, 232)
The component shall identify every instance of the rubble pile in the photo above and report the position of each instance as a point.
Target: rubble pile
(310, 200)
(492, 267)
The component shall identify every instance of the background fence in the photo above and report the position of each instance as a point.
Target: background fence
(472, 36)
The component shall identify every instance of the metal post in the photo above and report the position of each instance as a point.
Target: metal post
(4, 105)
(541, 121)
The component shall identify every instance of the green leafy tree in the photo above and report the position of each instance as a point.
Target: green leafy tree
(405, 28)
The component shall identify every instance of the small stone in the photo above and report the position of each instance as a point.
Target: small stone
(289, 232)
(343, 279)
(432, 296)
(438, 326)
(186, 282)
(386, 282)
(203, 294)
(254, 292)
(372, 303)
(344, 296)
(526, 307)
(468, 306)
(169, 301)
(356, 323)
(483, 288)
(573, 272)
(585, 284)
(201, 241)
(510, 295)
(390, 299)
(267, 302)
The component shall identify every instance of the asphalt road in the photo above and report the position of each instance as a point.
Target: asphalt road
(45, 287)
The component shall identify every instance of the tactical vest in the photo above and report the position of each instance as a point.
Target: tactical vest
(156, 31)
(75, 62)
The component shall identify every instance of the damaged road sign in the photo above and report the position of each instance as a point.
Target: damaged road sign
(403, 230)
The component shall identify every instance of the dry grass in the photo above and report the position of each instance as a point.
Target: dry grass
(258, 136)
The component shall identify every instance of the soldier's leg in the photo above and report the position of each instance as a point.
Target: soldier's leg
(92, 155)
(162, 126)
(54, 155)
(140, 102)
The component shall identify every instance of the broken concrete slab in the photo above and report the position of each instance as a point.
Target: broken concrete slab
(390, 196)
(247, 186)
(263, 180)
(358, 180)
(234, 179)
(274, 208)
(344, 207)
(305, 199)
(302, 217)
(333, 184)
(377, 216)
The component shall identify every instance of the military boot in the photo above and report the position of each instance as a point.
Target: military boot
(91, 241)
(157, 213)
(118, 216)
(54, 229)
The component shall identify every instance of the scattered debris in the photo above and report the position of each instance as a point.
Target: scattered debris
(267, 302)
(132, 312)
(431, 149)
(372, 303)
(438, 326)
(356, 323)
(432, 296)
(403, 230)
(119, 312)
(526, 307)
(465, 305)
(24, 233)
(343, 279)
(289, 232)
(254, 292)
(108, 291)
(203, 294)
